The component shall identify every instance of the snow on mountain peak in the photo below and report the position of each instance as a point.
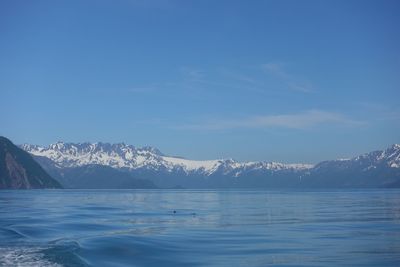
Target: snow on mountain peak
(127, 156)
(392, 155)
(389, 157)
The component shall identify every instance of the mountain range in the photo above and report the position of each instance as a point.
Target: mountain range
(104, 165)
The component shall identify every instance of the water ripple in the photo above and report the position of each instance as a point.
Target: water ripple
(199, 228)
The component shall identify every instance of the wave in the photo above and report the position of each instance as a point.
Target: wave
(56, 254)
(25, 257)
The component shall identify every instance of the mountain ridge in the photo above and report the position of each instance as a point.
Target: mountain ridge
(379, 168)
(127, 156)
(18, 170)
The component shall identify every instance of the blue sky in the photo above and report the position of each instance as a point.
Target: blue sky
(290, 81)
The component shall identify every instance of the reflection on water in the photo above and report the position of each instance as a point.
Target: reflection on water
(199, 227)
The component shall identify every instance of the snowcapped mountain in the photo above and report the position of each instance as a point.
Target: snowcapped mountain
(68, 155)
(121, 156)
(103, 165)
(389, 158)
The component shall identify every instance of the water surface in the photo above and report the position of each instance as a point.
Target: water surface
(199, 228)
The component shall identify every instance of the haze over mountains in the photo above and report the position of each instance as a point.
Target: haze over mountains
(104, 165)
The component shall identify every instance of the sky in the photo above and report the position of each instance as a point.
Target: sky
(288, 81)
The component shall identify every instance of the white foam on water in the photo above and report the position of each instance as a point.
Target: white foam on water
(24, 257)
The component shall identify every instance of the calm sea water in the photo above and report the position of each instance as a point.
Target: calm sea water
(199, 228)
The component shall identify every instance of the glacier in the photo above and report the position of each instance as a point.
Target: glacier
(122, 156)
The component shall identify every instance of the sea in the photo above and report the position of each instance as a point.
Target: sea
(163, 228)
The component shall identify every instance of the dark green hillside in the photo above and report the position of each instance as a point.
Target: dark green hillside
(18, 170)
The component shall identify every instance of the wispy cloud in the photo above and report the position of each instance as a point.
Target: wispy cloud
(192, 74)
(193, 79)
(379, 111)
(212, 80)
(278, 70)
(301, 120)
(144, 89)
(240, 77)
